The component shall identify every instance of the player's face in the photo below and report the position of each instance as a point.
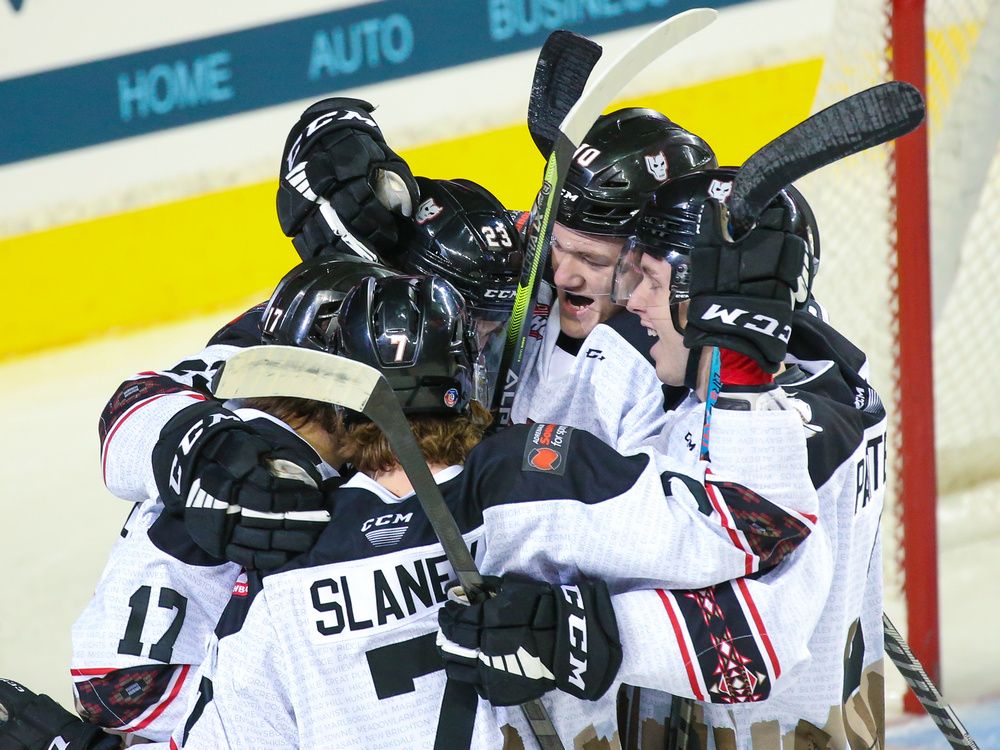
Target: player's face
(584, 265)
(650, 300)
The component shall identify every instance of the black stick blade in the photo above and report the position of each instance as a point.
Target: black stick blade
(564, 65)
(859, 122)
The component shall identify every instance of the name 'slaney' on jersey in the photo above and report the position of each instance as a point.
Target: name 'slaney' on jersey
(383, 591)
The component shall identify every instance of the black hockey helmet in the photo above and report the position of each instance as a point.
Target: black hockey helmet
(463, 234)
(625, 157)
(668, 224)
(307, 298)
(417, 332)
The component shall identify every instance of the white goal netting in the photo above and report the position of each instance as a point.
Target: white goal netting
(855, 206)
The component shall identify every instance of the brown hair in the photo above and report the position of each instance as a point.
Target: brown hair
(443, 440)
(297, 412)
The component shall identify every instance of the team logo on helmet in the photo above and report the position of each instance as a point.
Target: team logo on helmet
(656, 165)
(450, 397)
(720, 190)
(427, 211)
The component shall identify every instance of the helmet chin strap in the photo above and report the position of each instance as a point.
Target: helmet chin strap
(694, 354)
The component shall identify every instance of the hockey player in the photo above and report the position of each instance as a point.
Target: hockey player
(834, 695)
(581, 349)
(463, 232)
(350, 627)
(838, 698)
(142, 636)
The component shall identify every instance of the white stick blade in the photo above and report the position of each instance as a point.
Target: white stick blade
(302, 373)
(657, 40)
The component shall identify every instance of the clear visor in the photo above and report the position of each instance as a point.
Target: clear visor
(661, 280)
(628, 272)
(490, 335)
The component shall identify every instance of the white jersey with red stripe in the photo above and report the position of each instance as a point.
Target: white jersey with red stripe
(834, 695)
(145, 630)
(338, 644)
(132, 419)
(610, 387)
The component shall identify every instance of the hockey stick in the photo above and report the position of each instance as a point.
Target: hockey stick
(925, 689)
(564, 64)
(262, 371)
(574, 127)
(866, 119)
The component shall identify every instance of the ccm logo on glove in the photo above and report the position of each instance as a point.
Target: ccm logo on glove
(576, 626)
(187, 442)
(759, 323)
(319, 122)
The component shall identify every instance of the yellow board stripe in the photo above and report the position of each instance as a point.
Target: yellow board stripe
(216, 251)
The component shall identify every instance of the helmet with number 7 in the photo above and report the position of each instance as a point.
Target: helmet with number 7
(625, 157)
(668, 225)
(417, 332)
(462, 233)
(303, 307)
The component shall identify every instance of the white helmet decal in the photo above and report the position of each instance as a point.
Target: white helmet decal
(656, 165)
(427, 211)
(720, 190)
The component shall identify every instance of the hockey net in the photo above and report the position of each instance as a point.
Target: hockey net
(873, 223)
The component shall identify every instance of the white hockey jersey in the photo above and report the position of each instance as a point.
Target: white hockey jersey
(132, 419)
(835, 696)
(144, 632)
(339, 645)
(610, 390)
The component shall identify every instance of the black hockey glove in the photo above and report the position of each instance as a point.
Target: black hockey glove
(531, 638)
(742, 292)
(29, 721)
(242, 497)
(335, 158)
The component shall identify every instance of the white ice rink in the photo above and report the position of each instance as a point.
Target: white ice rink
(57, 521)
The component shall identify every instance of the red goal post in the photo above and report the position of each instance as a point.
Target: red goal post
(917, 487)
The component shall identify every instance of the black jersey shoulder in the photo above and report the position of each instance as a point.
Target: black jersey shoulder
(528, 463)
(834, 433)
(843, 404)
(364, 525)
(814, 339)
(242, 331)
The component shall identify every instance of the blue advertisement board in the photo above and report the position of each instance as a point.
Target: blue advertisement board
(167, 87)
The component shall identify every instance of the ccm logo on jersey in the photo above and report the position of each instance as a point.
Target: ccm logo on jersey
(547, 448)
(760, 323)
(387, 530)
(576, 622)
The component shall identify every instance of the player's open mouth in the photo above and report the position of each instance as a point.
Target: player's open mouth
(649, 329)
(577, 301)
